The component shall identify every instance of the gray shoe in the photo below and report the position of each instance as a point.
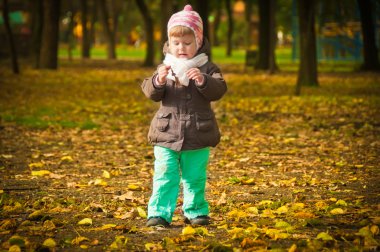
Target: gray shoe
(202, 220)
(157, 221)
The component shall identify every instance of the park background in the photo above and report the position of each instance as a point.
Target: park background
(296, 170)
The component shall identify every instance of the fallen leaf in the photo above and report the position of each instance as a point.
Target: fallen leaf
(188, 230)
(106, 174)
(337, 211)
(85, 222)
(78, 240)
(141, 212)
(50, 243)
(41, 173)
(36, 165)
(324, 236)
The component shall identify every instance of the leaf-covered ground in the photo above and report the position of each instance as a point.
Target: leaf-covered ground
(290, 174)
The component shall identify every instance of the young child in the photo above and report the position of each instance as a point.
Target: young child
(184, 128)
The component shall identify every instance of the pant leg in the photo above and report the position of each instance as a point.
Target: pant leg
(194, 166)
(166, 181)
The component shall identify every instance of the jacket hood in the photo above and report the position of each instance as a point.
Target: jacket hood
(205, 48)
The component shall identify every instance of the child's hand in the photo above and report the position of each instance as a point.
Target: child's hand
(195, 74)
(163, 71)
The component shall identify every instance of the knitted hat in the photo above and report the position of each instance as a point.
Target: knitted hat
(190, 19)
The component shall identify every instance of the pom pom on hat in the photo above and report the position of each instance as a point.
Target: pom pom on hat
(191, 19)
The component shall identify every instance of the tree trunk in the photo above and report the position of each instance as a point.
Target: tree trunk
(267, 36)
(248, 15)
(203, 10)
(218, 17)
(230, 29)
(86, 43)
(12, 47)
(307, 72)
(50, 30)
(37, 24)
(148, 21)
(166, 11)
(94, 18)
(70, 38)
(370, 52)
(108, 33)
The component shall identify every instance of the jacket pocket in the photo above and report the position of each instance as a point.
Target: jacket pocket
(204, 121)
(163, 121)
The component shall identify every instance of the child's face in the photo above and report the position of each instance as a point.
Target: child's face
(183, 47)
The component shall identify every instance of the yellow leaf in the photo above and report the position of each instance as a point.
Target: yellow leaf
(268, 213)
(188, 230)
(236, 233)
(293, 248)
(153, 247)
(298, 206)
(67, 159)
(324, 236)
(341, 203)
(36, 165)
(304, 215)
(40, 173)
(265, 202)
(50, 243)
(374, 230)
(36, 215)
(141, 212)
(321, 205)
(250, 181)
(99, 182)
(106, 174)
(337, 211)
(104, 227)
(237, 214)
(6, 156)
(202, 231)
(49, 225)
(85, 222)
(78, 240)
(14, 248)
(282, 210)
(253, 210)
(134, 187)
(283, 225)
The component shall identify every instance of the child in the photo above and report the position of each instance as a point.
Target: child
(184, 127)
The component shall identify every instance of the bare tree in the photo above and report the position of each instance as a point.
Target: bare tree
(148, 21)
(307, 72)
(50, 30)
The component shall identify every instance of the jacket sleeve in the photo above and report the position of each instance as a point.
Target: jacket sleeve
(151, 91)
(214, 86)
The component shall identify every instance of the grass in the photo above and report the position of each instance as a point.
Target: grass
(283, 57)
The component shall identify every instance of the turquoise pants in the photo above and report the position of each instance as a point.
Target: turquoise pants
(169, 165)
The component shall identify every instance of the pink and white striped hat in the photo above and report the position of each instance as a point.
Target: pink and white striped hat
(190, 19)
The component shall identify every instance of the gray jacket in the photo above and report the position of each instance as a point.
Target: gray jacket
(185, 120)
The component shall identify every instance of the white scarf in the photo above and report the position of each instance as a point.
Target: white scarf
(180, 66)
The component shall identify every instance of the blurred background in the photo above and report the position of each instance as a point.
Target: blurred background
(43, 31)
